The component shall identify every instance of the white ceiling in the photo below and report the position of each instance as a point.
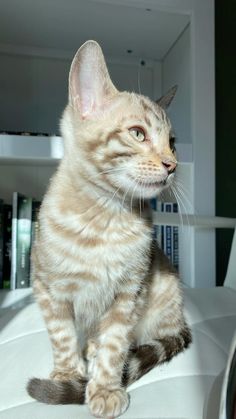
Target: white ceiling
(66, 24)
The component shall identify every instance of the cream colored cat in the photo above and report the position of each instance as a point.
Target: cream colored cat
(111, 301)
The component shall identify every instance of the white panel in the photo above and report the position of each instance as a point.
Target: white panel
(157, 80)
(133, 77)
(33, 93)
(203, 131)
(184, 185)
(176, 70)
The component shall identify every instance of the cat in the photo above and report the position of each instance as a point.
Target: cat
(111, 300)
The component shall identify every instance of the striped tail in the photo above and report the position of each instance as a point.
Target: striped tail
(57, 392)
(140, 360)
(143, 358)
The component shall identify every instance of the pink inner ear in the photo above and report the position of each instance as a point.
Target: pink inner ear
(90, 83)
(87, 107)
(86, 100)
(87, 90)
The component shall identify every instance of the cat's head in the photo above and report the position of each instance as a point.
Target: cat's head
(118, 141)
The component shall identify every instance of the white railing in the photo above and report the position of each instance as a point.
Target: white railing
(190, 220)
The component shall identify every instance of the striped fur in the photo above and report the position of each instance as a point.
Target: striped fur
(112, 305)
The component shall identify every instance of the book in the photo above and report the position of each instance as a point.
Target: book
(14, 240)
(159, 228)
(35, 227)
(7, 229)
(21, 240)
(168, 233)
(167, 237)
(24, 224)
(35, 222)
(175, 253)
(156, 205)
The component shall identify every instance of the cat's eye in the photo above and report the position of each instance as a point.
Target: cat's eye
(172, 144)
(138, 133)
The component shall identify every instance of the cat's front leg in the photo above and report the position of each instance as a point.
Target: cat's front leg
(104, 394)
(59, 319)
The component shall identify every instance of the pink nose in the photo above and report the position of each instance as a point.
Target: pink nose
(170, 166)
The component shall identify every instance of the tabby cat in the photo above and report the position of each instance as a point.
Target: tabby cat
(111, 301)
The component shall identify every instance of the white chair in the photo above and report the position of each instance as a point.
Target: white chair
(189, 387)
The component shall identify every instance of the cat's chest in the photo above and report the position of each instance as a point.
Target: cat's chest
(93, 264)
(115, 251)
(116, 237)
(115, 265)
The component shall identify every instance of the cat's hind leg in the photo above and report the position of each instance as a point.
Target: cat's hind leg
(162, 331)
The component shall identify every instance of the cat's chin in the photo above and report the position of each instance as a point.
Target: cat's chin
(148, 191)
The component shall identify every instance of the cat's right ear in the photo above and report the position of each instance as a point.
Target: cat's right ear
(90, 86)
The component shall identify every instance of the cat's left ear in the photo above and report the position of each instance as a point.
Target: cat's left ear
(90, 86)
(166, 100)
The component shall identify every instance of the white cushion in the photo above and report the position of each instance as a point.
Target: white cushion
(182, 388)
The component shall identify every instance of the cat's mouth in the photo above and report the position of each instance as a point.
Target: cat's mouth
(148, 188)
(149, 184)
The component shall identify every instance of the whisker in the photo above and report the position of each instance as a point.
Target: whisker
(124, 196)
(179, 194)
(141, 198)
(114, 194)
(108, 171)
(132, 196)
(179, 206)
(185, 193)
(140, 202)
(107, 203)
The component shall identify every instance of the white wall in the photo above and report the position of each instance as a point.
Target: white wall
(34, 89)
(176, 70)
(33, 93)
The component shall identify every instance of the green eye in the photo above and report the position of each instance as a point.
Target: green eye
(137, 133)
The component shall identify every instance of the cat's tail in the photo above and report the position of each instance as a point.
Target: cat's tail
(140, 360)
(57, 392)
(143, 358)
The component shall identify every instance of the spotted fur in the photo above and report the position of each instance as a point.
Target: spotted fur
(111, 302)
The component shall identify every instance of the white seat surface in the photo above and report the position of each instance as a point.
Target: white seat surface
(180, 389)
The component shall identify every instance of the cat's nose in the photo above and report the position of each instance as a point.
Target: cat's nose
(170, 165)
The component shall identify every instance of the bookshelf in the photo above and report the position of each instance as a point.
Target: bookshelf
(182, 55)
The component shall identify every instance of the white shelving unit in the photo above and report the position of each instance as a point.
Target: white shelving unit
(177, 44)
(29, 147)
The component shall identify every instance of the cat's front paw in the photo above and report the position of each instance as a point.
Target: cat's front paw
(104, 403)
